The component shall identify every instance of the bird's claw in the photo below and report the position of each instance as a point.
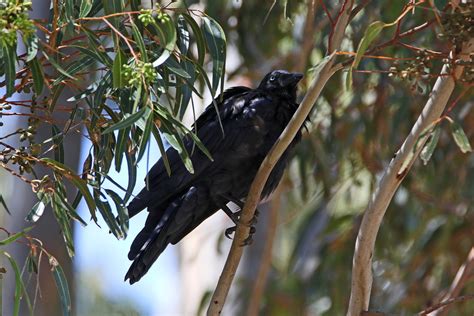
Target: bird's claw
(229, 231)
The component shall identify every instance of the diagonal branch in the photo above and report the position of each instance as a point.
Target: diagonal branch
(393, 176)
(326, 70)
(465, 272)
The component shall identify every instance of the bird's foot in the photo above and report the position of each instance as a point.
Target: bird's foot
(231, 230)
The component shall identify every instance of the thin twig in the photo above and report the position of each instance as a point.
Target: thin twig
(464, 273)
(266, 259)
(446, 303)
(395, 172)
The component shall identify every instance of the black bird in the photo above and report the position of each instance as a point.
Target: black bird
(252, 120)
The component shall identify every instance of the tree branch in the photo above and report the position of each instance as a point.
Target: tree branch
(462, 276)
(445, 304)
(258, 288)
(393, 176)
(327, 69)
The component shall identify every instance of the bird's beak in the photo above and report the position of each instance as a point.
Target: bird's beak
(292, 79)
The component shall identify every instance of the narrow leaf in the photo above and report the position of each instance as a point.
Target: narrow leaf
(31, 43)
(74, 68)
(122, 211)
(216, 42)
(166, 32)
(140, 43)
(370, 34)
(58, 143)
(198, 36)
(18, 283)
(118, 78)
(430, 146)
(14, 237)
(9, 56)
(62, 286)
(132, 176)
(37, 74)
(176, 68)
(460, 137)
(58, 67)
(78, 182)
(128, 120)
(86, 6)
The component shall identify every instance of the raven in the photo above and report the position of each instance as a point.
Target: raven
(239, 134)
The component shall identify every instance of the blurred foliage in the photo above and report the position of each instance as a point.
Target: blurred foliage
(145, 66)
(94, 301)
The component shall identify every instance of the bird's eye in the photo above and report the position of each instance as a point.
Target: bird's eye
(272, 78)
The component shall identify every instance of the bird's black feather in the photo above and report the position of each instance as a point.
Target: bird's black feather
(252, 120)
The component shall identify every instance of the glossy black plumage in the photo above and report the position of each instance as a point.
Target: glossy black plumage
(252, 120)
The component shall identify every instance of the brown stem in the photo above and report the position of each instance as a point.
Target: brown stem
(463, 275)
(266, 260)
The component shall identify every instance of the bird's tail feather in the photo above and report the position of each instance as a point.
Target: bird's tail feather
(159, 231)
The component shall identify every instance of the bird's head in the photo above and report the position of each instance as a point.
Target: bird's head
(281, 82)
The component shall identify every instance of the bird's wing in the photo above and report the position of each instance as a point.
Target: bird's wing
(161, 185)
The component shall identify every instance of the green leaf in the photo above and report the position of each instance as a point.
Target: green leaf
(14, 237)
(430, 146)
(121, 146)
(31, 43)
(19, 285)
(113, 6)
(37, 210)
(166, 33)
(37, 74)
(198, 36)
(57, 136)
(128, 120)
(132, 176)
(187, 89)
(75, 67)
(176, 68)
(216, 42)
(161, 147)
(96, 45)
(145, 136)
(183, 35)
(69, 4)
(460, 137)
(177, 124)
(62, 286)
(58, 67)
(9, 56)
(57, 90)
(95, 54)
(78, 182)
(176, 142)
(107, 215)
(62, 201)
(118, 78)
(102, 87)
(86, 6)
(64, 223)
(370, 34)
(140, 43)
(122, 211)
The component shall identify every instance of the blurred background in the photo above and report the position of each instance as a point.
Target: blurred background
(306, 232)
